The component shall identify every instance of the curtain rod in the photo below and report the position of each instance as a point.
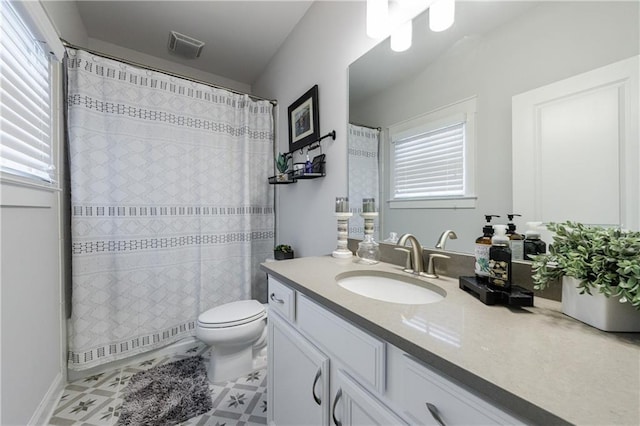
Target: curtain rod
(169, 73)
(368, 127)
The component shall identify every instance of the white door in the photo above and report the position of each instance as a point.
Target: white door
(298, 385)
(575, 149)
(354, 406)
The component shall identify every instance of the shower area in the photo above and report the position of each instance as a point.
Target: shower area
(170, 211)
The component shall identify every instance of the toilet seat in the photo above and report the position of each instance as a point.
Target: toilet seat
(232, 314)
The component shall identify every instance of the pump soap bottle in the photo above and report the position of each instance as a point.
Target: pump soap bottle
(533, 245)
(516, 241)
(483, 243)
(500, 260)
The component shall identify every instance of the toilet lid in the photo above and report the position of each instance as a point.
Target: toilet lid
(230, 314)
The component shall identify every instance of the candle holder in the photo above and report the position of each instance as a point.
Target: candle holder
(341, 250)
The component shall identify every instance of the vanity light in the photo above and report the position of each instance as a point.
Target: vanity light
(441, 14)
(377, 17)
(401, 37)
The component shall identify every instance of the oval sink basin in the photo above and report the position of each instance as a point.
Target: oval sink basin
(389, 287)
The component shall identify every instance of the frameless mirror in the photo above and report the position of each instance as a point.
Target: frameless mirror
(494, 51)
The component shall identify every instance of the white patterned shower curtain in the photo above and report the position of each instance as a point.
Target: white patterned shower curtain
(171, 210)
(364, 173)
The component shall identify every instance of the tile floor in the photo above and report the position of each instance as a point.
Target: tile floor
(96, 400)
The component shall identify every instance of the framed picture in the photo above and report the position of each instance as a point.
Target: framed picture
(304, 120)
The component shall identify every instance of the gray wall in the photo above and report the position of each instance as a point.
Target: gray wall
(550, 42)
(318, 51)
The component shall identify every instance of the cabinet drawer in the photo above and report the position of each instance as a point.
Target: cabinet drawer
(282, 299)
(428, 394)
(361, 353)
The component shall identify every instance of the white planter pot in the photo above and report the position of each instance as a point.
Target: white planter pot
(606, 314)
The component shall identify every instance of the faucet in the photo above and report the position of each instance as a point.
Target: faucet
(415, 264)
(443, 238)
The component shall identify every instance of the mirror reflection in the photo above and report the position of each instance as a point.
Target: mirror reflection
(493, 52)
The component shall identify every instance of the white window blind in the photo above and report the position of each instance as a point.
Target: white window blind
(25, 111)
(430, 164)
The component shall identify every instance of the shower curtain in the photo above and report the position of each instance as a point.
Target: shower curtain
(363, 175)
(171, 212)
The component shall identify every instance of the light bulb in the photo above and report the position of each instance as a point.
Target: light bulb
(377, 17)
(441, 14)
(401, 37)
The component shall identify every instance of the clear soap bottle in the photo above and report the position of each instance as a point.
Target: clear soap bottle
(483, 243)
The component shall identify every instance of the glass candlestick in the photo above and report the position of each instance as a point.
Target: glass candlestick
(342, 204)
(341, 250)
(368, 205)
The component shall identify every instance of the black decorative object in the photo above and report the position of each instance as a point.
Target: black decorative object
(304, 120)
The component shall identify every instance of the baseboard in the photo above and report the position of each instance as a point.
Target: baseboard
(49, 403)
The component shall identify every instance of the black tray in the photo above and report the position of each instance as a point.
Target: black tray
(517, 297)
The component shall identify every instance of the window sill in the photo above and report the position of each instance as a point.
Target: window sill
(20, 193)
(435, 203)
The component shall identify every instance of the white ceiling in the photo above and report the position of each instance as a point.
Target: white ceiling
(240, 36)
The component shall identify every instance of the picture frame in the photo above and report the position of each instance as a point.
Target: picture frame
(304, 120)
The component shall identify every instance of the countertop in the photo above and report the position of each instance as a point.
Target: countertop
(542, 365)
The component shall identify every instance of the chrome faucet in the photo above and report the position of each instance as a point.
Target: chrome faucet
(443, 238)
(415, 264)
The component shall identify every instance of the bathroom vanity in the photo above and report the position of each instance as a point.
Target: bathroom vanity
(336, 357)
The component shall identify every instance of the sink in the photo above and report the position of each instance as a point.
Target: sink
(390, 287)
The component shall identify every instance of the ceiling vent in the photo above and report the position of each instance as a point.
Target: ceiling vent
(185, 46)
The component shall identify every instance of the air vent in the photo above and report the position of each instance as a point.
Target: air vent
(185, 46)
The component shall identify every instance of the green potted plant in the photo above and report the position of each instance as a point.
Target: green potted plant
(282, 164)
(283, 251)
(601, 264)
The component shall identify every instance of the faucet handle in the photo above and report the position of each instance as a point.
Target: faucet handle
(431, 267)
(407, 266)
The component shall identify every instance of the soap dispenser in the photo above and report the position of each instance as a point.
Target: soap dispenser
(516, 241)
(483, 243)
(500, 260)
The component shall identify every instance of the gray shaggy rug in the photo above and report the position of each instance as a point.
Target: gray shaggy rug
(166, 394)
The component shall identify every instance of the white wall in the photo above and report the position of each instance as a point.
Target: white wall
(318, 51)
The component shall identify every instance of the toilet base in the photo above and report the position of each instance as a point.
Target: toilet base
(229, 363)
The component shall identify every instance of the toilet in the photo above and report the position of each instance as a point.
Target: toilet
(236, 332)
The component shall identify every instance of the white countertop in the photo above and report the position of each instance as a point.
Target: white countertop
(536, 354)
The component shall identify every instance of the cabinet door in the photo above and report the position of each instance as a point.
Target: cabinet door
(298, 385)
(353, 405)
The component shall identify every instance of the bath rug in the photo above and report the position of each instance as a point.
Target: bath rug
(166, 394)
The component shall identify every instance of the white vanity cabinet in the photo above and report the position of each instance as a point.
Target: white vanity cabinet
(324, 370)
(298, 381)
(354, 406)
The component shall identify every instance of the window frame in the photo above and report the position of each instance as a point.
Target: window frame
(37, 21)
(461, 111)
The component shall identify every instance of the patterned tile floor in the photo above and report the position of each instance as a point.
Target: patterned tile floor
(96, 400)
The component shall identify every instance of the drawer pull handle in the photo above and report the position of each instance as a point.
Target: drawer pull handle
(435, 414)
(275, 299)
(333, 410)
(313, 388)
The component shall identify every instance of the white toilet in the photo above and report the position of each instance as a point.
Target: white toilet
(236, 333)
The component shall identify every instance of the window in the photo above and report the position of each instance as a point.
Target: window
(26, 92)
(432, 159)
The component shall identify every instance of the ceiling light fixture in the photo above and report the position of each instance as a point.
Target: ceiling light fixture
(395, 17)
(377, 17)
(441, 14)
(401, 37)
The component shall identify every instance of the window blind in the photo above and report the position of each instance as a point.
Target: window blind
(25, 111)
(430, 164)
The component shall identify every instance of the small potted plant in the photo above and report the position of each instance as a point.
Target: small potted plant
(595, 264)
(282, 164)
(283, 251)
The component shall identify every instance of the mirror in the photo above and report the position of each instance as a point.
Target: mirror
(494, 51)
